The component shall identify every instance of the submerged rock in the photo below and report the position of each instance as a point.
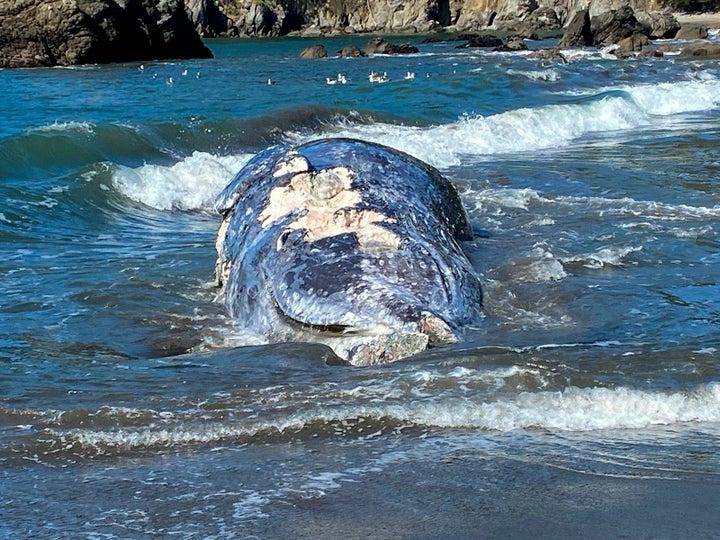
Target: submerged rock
(61, 32)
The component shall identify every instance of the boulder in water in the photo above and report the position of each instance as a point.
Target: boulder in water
(314, 51)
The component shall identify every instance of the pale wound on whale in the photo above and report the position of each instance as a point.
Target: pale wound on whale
(222, 265)
(330, 207)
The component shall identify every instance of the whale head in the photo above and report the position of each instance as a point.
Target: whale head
(348, 244)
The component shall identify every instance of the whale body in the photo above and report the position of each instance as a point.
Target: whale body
(350, 244)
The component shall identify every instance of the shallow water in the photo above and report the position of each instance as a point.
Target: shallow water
(127, 411)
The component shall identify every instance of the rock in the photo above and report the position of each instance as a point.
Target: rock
(633, 43)
(209, 21)
(547, 54)
(667, 48)
(651, 53)
(474, 40)
(692, 31)
(62, 32)
(381, 46)
(314, 51)
(351, 51)
(543, 18)
(577, 32)
(263, 19)
(662, 25)
(512, 44)
(701, 48)
(615, 25)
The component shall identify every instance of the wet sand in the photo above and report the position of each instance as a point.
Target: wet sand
(503, 498)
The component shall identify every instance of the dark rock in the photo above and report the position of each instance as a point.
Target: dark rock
(577, 32)
(381, 46)
(57, 32)
(314, 51)
(692, 31)
(351, 51)
(615, 25)
(209, 21)
(481, 41)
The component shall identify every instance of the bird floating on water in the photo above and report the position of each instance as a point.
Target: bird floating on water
(340, 79)
(377, 78)
(270, 82)
(409, 76)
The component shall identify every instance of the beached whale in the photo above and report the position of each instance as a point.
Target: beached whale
(350, 244)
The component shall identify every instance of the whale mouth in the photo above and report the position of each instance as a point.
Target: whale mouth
(379, 344)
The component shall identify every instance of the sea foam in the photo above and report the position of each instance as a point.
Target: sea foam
(190, 184)
(607, 110)
(572, 409)
(193, 182)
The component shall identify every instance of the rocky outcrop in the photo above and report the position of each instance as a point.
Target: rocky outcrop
(314, 51)
(623, 26)
(381, 46)
(351, 51)
(692, 31)
(70, 32)
(479, 41)
(577, 33)
(701, 48)
(326, 17)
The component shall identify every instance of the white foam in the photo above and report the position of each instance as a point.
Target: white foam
(550, 75)
(526, 198)
(572, 409)
(86, 127)
(190, 184)
(604, 257)
(549, 127)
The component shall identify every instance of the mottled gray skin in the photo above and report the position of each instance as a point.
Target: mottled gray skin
(370, 303)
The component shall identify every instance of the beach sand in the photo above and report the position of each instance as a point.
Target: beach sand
(710, 20)
(503, 498)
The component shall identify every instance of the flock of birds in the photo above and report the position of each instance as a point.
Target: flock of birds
(374, 77)
(170, 80)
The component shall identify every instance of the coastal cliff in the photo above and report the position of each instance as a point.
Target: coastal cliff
(317, 17)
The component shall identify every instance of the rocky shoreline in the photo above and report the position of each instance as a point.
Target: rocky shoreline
(72, 32)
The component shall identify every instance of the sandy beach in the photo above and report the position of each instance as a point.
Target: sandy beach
(711, 20)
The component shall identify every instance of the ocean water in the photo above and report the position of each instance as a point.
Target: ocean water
(132, 407)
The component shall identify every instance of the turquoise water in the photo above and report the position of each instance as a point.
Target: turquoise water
(131, 406)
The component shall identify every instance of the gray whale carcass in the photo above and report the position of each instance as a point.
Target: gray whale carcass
(350, 244)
